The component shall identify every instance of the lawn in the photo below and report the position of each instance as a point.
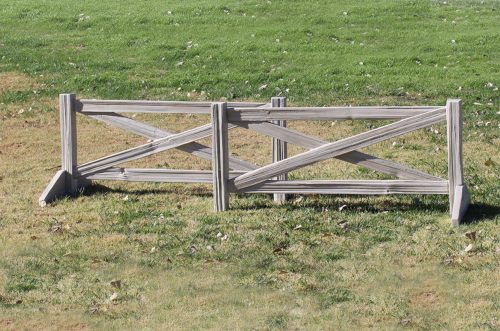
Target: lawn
(125, 256)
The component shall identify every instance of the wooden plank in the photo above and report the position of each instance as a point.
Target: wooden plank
(152, 132)
(157, 175)
(220, 165)
(340, 147)
(67, 118)
(355, 157)
(147, 149)
(459, 196)
(326, 113)
(363, 187)
(141, 106)
(57, 188)
(454, 128)
(460, 204)
(279, 147)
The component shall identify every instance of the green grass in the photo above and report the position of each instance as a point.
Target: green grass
(398, 264)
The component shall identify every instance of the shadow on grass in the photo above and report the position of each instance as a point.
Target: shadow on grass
(353, 203)
(480, 212)
(101, 189)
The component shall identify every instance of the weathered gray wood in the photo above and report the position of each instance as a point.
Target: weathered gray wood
(157, 175)
(152, 132)
(147, 149)
(354, 157)
(220, 164)
(326, 113)
(57, 188)
(67, 118)
(140, 106)
(347, 187)
(340, 147)
(460, 204)
(455, 163)
(279, 147)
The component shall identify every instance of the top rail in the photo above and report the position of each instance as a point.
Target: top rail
(140, 106)
(326, 113)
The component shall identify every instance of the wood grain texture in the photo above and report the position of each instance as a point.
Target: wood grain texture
(220, 164)
(57, 188)
(459, 196)
(67, 118)
(279, 147)
(355, 157)
(152, 132)
(141, 106)
(326, 113)
(454, 130)
(157, 175)
(156, 146)
(347, 187)
(340, 147)
(460, 204)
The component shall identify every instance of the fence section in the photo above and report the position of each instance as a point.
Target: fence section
(230, 174)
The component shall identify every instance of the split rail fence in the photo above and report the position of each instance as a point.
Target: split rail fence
(233, 175)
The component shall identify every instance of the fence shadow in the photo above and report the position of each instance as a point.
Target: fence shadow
(196, 191)
(480, 212)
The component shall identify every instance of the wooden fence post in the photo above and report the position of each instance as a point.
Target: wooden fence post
(459, 196)
(279, 147)
(68, 140)
(65, 181)
(220, 156)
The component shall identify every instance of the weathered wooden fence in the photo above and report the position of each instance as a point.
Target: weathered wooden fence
(230, 174)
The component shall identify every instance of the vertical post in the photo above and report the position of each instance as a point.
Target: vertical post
(279, 147)
(459, 197)
(68, 140)
(220, 156)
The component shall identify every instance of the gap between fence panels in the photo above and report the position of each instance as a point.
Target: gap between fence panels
(230, 174)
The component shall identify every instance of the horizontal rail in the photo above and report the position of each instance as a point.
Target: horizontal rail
(138, 106)
(157, 175)
(326, 113)
(372, 187)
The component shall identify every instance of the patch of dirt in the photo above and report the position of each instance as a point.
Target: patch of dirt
(13, 81)
(425, 299)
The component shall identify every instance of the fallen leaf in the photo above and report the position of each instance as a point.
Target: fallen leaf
(34, 237)
(262, 87)
(469, 248)
(342, 207)
(125, 198)
(19, 301)
(471, 235)
(488, 162)
(192, 249)
(56, 227)
(343, 224)
(153, 249)
(113, 297)
(116, 283)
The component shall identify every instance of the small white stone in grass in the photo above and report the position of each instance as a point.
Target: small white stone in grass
(169, 12)
(113, 297)
(253, 35)
(489, 85)
(344, 13)
(460, 88)
(219, 235)
(361, 63)
(125, 198)
(179, 63)
(277, 40)
(262, 87)
(453, 41)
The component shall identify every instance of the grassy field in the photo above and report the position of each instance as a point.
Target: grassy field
(155, 257)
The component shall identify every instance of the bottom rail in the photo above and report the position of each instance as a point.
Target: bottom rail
(348, 187)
